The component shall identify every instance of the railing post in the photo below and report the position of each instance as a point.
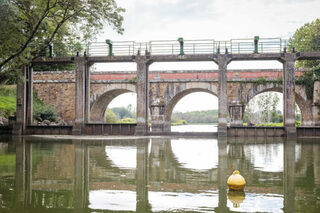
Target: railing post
(256, 40)
(181, 42)
(110, 44)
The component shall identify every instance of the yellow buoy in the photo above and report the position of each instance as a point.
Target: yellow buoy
(236, 182)
(236, 197)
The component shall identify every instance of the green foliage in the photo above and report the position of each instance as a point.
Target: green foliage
(132, 80)
(307, 79)
(28, 27)
(179, 122)
(127, 120)
(7, 106)
(206, 116)
(7, 100)
(270, 124)
(42, 111)
(111, 117)
(124, 112)
(8, 160)
(261, 80)
(53, 67)
(307, 39)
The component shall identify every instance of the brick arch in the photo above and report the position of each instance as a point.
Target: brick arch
(102, 97)
(176, 95)
(304, 104)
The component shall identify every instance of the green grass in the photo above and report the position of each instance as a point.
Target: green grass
(8, 160)
(127, 121)
(7, 105)
(270, 124)
(7, 100)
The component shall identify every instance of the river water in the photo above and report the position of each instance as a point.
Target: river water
(158, 174)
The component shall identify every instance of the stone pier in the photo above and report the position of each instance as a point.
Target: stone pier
(289, 60)
(80, 90)
(222, 62)
(142, 94)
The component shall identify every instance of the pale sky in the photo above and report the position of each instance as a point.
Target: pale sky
(146, 20)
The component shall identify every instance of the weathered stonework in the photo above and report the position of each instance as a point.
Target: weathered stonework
(57, 88)
(166, 88)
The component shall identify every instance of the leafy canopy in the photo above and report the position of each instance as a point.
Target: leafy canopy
(29, 26)
(307, 38)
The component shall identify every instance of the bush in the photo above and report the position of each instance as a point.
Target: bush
(42, 111)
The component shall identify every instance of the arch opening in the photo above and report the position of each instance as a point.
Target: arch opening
(193, 107)
(122, 101)
(266, 108)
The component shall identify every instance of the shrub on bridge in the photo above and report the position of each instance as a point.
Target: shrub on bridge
(42, 111)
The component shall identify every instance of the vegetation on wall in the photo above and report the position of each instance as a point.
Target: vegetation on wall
(42, 111)
(307, 79)
(8, 102)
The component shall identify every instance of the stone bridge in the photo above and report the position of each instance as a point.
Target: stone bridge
(83, 96)
(166, 89)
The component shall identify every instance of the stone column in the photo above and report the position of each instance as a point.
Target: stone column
(87, 94)
(157, 116)
(289, 60)
(236, 114)
(29, 95)
(20, 176)
(222, 175)
(142, 94)
(28, 173)
(222, 61)
(316, 104)
(81, 182)
(20, 124)
(79, 95)
(288, 175)
(142, 176)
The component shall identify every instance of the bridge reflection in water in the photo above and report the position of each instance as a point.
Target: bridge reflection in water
(151, 175)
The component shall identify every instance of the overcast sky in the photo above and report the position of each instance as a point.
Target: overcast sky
(146, 20)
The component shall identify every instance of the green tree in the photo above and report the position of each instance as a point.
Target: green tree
(124, 112)
(110, 116)
(307, 38)
(29, 26)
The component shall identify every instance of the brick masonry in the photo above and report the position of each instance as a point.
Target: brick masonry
(58, 87)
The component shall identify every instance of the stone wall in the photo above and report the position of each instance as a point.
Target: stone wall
(57, 89)
(166, 89)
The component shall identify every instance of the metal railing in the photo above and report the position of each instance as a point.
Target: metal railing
(174, 47)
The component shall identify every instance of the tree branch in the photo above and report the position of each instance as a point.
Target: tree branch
(43, 16)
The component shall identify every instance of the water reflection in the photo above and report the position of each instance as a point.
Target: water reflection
(160, 174)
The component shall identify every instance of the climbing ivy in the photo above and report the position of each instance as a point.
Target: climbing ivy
(307, 79)
(262, 81)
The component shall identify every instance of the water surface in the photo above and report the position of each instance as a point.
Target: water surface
(158, 175)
